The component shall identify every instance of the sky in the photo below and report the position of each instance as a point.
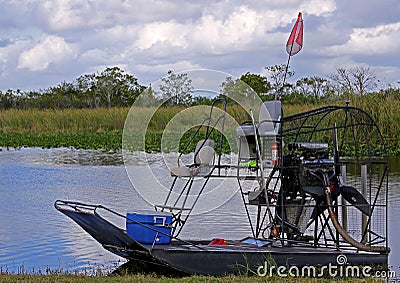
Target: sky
(44, 43)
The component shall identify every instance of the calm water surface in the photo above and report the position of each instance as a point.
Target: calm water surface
(35, 236)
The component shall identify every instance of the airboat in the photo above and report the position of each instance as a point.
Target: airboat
(314, 187)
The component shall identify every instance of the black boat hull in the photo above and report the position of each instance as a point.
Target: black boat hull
(197, 257)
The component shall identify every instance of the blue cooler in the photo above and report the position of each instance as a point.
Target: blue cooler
(156, 227)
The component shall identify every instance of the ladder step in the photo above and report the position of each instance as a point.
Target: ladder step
(171, 207)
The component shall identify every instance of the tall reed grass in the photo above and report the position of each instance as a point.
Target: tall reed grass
(76, 122)
(62, 121)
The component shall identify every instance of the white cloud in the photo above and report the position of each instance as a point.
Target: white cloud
(8, 55)
(318, 7)
(160, 32)
(208, 33)
(49, 50)
(235, 32)
(11, 48)
(382, 39)
(151, 36)
(64, 14)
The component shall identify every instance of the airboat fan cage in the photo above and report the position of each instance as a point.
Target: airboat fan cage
(346, 144)
(358, 134)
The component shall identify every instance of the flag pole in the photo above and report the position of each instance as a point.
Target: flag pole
(284, 76)
(296, 36)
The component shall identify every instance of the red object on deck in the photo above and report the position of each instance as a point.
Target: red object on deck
(218, 242)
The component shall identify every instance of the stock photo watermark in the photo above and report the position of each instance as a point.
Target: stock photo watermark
(147, 180)
(338, 269)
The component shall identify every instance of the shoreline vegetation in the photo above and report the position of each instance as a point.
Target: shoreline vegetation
(102, 128)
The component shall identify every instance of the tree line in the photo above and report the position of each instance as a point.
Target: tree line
(110, 88)
(113, 87)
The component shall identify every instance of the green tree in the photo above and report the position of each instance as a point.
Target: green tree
(314, 86)
(257, 82)
(30, 99)
(235, 91)
(86, 85)
(177, 88)
(7, 99)
(278, 76)
(116, 88)
(236, 88)
(64, 95)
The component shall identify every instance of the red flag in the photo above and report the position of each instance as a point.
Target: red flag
(295, 41)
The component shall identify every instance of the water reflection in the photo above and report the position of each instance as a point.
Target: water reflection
(34, 235)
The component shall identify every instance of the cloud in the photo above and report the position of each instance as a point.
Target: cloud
(318, 7)
(234, 32)
(382, 39)
(64, 14)
(49, 50)
(206, 34)
(222, 28)
(160, 32)
(8, 54)
(65, 38)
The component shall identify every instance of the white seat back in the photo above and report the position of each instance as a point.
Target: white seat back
(270, 113)
(204, 152)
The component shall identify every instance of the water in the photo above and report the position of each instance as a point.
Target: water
(34, 236)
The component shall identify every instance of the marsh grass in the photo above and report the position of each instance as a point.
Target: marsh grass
(35, 121)
(103, 127)
(62, 121)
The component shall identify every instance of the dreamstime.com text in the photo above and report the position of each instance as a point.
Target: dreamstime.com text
(340, 269)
